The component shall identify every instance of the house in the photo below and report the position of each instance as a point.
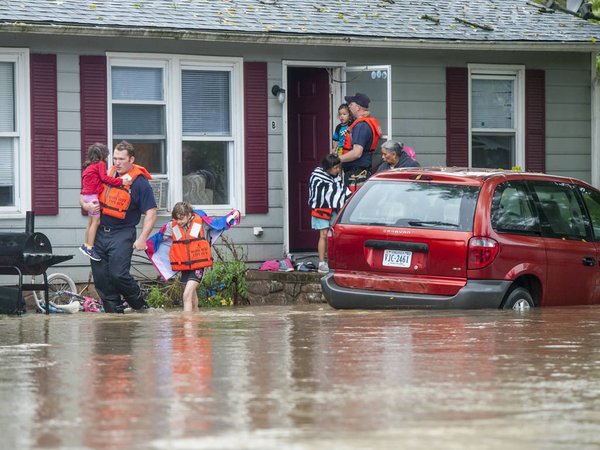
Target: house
(232, 104)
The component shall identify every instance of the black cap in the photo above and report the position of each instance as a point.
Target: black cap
(358, 98)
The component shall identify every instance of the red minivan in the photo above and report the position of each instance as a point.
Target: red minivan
(466, 238)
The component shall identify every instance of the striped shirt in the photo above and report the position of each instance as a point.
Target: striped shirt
(326, 191)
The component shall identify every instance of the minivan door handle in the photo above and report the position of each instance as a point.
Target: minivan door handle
(587, 261)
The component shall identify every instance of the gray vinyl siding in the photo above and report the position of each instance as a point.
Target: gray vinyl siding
(419, 120)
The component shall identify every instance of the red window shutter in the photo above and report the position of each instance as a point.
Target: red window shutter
(44, 135)
(256, 137)
(535, 120)
(92, 80)
(457, 117)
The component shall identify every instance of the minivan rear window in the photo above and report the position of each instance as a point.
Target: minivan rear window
(409, 204)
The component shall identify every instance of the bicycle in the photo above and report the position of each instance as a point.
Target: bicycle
(64, 297)
(62, 293)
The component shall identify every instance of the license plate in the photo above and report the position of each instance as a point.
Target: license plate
(396, 258)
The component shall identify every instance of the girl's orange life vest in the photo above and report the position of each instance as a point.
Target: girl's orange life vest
(322, 213)
(375, 128)
(190, 250)
(114, 200)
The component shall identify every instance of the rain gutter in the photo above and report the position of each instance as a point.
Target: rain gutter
(296, 39)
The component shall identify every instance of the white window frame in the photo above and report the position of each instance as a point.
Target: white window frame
(517, 73)
(21, 135)
(173, 66)
(389, 85)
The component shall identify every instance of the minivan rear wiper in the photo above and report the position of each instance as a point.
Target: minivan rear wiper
(421, 223)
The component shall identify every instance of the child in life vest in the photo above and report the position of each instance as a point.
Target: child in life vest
(93, 178)
(190, 251)
(345, 118)
(327, 194)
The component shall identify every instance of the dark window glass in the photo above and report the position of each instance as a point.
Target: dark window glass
(592, 202)
(561, 213)
(513, 210)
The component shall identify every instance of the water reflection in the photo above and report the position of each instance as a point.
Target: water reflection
(302, 377)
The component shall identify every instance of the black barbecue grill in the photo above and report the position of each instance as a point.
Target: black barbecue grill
(27, 253)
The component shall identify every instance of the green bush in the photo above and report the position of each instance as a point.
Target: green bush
(165, 294)
(224, 284)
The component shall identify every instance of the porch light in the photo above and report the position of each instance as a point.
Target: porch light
(279, 93)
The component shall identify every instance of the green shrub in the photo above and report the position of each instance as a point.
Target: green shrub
(164, 294)
(224, 284)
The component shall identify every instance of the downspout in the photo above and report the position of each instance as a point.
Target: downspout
(595, 105)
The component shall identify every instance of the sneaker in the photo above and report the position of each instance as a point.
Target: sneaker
(285, 265)
(323, 267)
(90, 253)
(302, 267)
(144, 308)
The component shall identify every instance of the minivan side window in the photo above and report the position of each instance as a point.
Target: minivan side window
(561, 213)
(513, 210)
(592, 202)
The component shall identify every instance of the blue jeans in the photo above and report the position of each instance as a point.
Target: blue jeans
(112, 279)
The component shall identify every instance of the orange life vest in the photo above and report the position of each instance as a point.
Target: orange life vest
(375, 129)
(322, 213)
(114, 200)
(190, 250)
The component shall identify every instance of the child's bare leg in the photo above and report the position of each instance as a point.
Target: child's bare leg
(322, 246)
(91, 230)
(190, 296)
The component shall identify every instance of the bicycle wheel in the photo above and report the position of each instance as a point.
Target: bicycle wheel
(60, 288)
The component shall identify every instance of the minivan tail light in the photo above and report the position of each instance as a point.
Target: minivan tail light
(482, 252)
(330, 252)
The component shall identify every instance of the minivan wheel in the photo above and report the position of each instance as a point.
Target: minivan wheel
(519, 299)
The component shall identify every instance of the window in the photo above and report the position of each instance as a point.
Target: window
(496, 116)
(561, 213)
(592, 202)
(207, 139)
(184, 117)
(512, 209)
(14, 132)
(138, 114)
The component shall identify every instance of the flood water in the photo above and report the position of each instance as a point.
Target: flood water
(302, 378)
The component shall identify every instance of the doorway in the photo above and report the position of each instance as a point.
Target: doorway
(309, 140)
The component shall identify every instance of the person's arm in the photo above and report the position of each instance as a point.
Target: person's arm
(113, 181)
(352, 155)
(335, 139)
(334, 148)
(149, 221)
(89, 207)
(147, 204)
(360, 139)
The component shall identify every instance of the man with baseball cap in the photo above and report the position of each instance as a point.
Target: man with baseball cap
(362, 138)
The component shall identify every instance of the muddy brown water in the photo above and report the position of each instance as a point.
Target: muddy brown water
(302, 378)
